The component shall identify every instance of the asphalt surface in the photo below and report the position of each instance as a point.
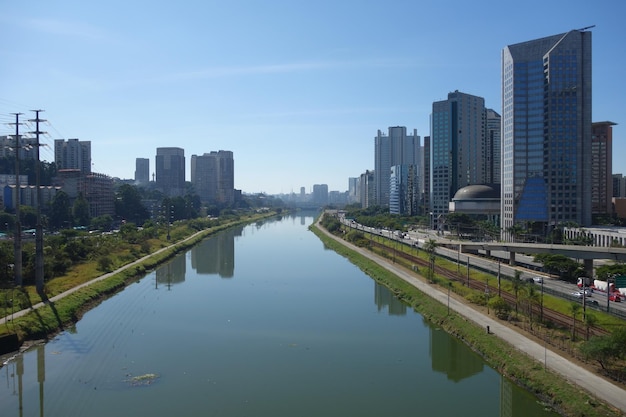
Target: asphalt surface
(600, 388)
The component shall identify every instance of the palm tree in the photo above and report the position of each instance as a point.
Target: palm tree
(590, 321)
(430, 247)
(574, 308)
(515, 230)
(532, 297)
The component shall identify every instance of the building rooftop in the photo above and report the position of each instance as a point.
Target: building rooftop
(478, 191)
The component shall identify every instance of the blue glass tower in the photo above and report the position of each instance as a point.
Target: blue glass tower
(546, 132)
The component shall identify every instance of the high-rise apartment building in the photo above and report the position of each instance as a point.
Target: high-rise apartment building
(73, 154)
(602, 167)
(212, 175)
(320, 194)
(458, 148)
(546, 132)
(142, 171)
(170, 171)
(395, 148)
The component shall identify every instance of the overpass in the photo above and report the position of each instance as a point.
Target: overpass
(586, 253)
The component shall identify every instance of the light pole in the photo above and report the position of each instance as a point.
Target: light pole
(499, 289)
(449, 286)
(541, 300)
(487, 294)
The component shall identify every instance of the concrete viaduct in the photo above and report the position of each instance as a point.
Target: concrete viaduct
(586, 253)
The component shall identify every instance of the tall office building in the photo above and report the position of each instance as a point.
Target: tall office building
(212, 175)
(320, 194)
(142, 171)
(367, 190)
(602, 168)
(546, 132)
(73, 154)
(619, 185)
(458, 149)
(396, 148)
(492, 147)
(353, 189)
(170, 171)
(404, 195)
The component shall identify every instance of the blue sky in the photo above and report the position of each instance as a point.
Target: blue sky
(296, 89)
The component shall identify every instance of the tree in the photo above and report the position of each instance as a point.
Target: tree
(515, 230)
(609, 271)
(500, 307)
(60, 211)
(128, 205)
(104, 222)
(80, 211)
(606, 349)
(431, 247)
(567, 268)
(590, 321)
(7, 222)
(28, 217)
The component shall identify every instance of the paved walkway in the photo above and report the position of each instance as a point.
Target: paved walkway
(597, 386)
(57, 297)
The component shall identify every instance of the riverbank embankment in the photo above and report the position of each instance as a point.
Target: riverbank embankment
(44, 319)
(563, 385)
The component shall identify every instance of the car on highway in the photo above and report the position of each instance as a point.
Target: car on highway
(581, 294)
(537, 280)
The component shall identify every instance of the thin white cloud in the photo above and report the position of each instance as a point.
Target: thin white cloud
(293, 67)
(63, 28)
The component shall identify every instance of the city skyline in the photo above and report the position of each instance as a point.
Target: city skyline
(296, 91)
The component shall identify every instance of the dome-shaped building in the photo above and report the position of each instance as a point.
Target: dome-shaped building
(479, 200)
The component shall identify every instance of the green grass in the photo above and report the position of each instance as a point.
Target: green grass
(52, 318)
(549, 387)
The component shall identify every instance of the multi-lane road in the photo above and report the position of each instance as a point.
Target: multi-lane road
(525, 265)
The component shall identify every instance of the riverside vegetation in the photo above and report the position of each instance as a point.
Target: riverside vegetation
(555, 392)
(83, 257)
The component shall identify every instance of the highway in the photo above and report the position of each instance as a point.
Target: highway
(551, 285)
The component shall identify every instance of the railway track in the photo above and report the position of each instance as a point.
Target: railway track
(543, 313)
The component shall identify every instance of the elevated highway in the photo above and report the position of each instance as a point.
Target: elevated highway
(586, 253)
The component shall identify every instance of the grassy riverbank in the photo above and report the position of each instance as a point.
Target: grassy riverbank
(549, 387)
(54, 317)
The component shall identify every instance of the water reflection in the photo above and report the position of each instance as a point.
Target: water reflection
(302, 336)
(216, 255)
(451, 357)
(172, 273)
(385, 299)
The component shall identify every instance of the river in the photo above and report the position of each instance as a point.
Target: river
(257, 321)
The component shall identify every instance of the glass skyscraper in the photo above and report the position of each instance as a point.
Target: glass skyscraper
(458, 148)
(546, 132)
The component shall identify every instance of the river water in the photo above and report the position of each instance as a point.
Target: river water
(257, 321)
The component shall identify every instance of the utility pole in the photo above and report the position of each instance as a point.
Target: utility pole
(17, 239)
(39, 228)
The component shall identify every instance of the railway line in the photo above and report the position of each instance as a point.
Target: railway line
(545, 314)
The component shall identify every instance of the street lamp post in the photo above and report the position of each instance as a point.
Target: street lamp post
(541, 318)
(449, 286)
